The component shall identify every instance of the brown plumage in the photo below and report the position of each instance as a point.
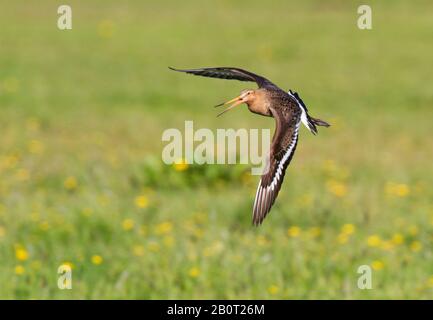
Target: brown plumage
(289, 111)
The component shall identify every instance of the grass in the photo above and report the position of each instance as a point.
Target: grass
(82, 113)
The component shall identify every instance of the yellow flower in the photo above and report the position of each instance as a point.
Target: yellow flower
(415, 246)
(397, 239)
(168, 241)
(273, 289)
(10, 161)
(35, 216)
(216, 248)
(305, 200)
(200, 217)
(105, 29)
(194, 272)
(339, 189)
(342, 238)
(35, 147)
(198, 233)
(400, 222)
(87, 212)
(138, 250)
(413, 230)
(44, 225)
(103, 200)
(97, 259)
(329, 165)
(22, 174)
(397, 189)
(69, 264)
(70, 183)
(402, 190)
(128, 224)
(142, 231)
(348, 229)
(153, 246)
(163, 228)
(33, 124)
(294, 231)
(141, 201)
(180, 165)
(430, 282)
(262, 240)
(19, 270)
(387, 245)
(377, 265)
(237, 258)
(2, 231)
(21, 254)
(374, 241)
(246, 178)
(314, 232)
(192, 255)
(207, 252)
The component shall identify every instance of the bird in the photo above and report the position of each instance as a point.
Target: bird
(288, 110)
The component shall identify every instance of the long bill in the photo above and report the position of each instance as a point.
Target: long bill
(235, 102)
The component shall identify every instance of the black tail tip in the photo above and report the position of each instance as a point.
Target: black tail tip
(319, 122)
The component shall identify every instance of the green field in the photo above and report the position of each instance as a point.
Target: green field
(82, 182)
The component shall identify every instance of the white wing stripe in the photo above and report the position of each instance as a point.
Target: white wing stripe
(257, 193)
(304, 118)
(289, 151)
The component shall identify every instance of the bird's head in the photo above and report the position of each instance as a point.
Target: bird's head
(246, 96)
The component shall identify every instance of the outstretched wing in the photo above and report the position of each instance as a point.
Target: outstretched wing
(282, 150)
(230, 74)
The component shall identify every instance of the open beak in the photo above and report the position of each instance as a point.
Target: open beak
(235, 102)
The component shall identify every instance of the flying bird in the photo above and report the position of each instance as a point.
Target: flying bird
(288, 110)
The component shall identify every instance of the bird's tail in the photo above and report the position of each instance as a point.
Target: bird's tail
(319, 122)
(313, 122)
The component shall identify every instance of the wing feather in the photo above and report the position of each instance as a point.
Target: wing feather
(282, 150)
(229, 73)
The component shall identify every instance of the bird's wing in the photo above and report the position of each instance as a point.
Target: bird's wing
(305, 117)
(230, 74)
(282, 150)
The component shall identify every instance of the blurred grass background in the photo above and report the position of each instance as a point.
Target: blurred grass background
(82, 113)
